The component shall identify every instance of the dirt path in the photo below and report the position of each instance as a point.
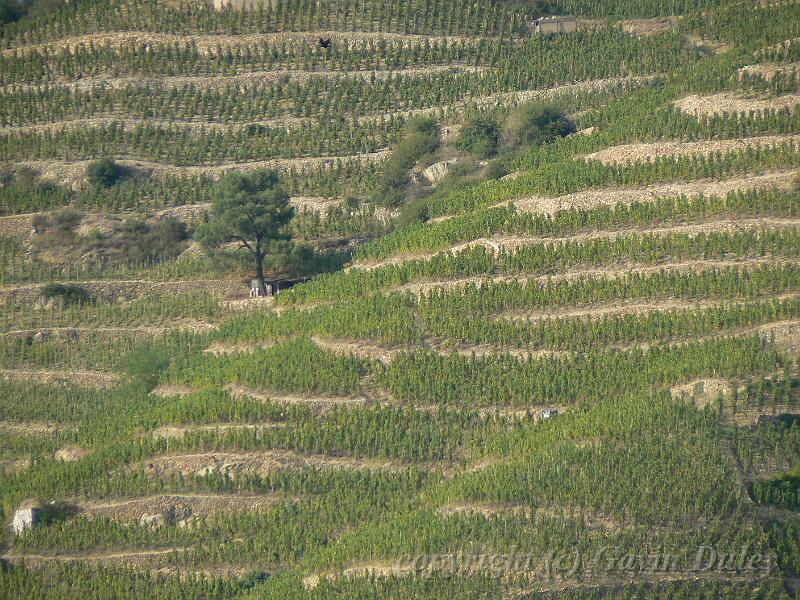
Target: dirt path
(648, 151)
(592, 198)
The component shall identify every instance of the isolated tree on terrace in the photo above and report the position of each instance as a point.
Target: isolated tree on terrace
(254, 211)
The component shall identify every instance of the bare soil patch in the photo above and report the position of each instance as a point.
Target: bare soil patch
(188, 506)
(643, 27)
(168, 391)
(91, 379)
(119, 290)
(703, 392)
(321, 403)
(107, 333)
(727, 102)
(649, 151)
(28, 428)
(373, 569)
(749, 418)
(770, 70)
(17, 226)
(225, 349)
(238, 464)
(176, 432)
(15, 466)
(134, 558)
(71, 453)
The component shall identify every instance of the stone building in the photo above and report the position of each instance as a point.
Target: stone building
(26, 517)
(555, 25)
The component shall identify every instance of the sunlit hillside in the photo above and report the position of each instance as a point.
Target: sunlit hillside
(538, 318)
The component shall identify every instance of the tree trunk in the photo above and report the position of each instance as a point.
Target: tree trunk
(262, 284)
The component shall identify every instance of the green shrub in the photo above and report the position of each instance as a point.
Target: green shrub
(144, 364)
(419, 144)
(67, 293)
(103, 173)
(535, 123)
(480, 136)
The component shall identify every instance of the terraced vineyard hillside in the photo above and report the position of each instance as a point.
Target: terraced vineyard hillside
(542, 327)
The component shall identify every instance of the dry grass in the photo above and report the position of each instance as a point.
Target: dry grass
(727, 102)
(648, 151)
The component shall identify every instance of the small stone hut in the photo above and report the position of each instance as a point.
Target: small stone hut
(555, 25)
(25, 517)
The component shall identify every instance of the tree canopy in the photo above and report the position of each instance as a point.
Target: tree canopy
(253, 210)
